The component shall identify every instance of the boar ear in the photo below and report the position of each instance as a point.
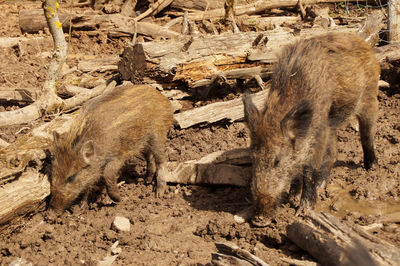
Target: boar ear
(251, 113)
(297, 121)
(87, 151)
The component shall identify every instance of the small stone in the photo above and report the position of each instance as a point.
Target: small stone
(115, 250)
(121, 224)
(20, 262)
(243, 215)
(238, 219)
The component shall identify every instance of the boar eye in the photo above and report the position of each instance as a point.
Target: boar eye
(71, 178)
(276, 162)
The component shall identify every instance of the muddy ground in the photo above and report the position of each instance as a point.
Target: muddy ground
(181, 228)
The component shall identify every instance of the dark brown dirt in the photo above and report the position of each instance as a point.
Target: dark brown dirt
(181, 228)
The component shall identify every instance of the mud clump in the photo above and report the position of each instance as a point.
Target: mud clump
(316, 86)
(111, 129)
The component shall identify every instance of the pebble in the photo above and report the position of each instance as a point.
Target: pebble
(121, 224)
(115, 250)
(243, 215)
(20, 262)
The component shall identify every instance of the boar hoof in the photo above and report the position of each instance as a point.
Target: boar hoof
(260, 221)
(160, 189)
(114, 196)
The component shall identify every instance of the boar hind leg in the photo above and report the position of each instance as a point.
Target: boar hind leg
(110, 179)
(158, 150)
(366, 120)
(151, 166)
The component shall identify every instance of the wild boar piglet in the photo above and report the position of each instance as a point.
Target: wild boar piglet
(109, 130)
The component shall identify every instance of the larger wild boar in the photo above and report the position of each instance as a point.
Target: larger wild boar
(108, 131)
(317, 84)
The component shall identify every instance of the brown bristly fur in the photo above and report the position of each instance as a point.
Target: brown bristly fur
(109, 130)
(317, 84)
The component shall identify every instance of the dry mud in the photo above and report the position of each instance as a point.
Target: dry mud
(181, 228)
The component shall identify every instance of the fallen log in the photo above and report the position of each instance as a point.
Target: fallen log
(23, 181)
(115, 25)
(197, 4)
(266, 23)
(7, 42)
(388, 53)
(109, 63)
(333, 243)
(218, 168)
(200, 60)
(231, 110)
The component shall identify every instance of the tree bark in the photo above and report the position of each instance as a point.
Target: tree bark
(333, 243)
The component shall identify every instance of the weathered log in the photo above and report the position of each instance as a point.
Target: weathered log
(333, 243)
(6, 42)
(197, 4)
(231, 110)
(23, 182)
(115, 25)
(109, 63)
(198, 60)
(266, 23)
(388, 53)
(218, 168)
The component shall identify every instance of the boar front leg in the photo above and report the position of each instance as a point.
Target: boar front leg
(314, 177)
(110, 179)
(157, 146)
(151, 166)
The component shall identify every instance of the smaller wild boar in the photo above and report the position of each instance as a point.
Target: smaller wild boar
(316, 85)
(109, 130)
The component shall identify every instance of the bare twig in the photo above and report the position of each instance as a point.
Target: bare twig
(185, 23)
(154, 9)
(301, 8)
